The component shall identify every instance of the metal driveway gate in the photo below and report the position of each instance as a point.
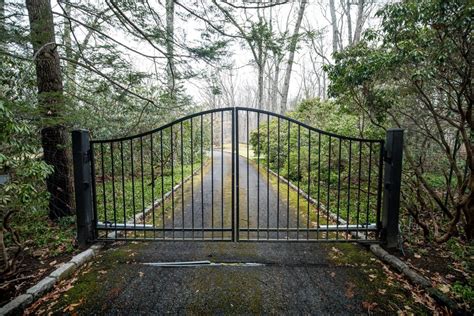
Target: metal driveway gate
(237, 174)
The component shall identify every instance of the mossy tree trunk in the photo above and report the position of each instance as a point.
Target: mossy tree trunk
(51, 105)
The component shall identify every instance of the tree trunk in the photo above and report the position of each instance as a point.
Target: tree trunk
(360, 21)
(170, 48)
(349, 23)
(68, 49)
(2, 22)
(291, 57)
(274, 93)
(260, 85)
(335, 36)
(51, 103)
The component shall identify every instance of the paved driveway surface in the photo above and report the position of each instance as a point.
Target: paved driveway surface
(293, 278)
(205, 202)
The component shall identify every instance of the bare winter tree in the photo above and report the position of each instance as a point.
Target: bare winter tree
(291, 57)
(170, 47)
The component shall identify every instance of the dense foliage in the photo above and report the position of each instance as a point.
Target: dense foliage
(415, 72)
(340, 174)
(22, 170)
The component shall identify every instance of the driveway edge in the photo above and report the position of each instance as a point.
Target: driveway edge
(19, 303)
(416, 278)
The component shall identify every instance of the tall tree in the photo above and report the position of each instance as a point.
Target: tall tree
(360, 21)
(170, 47)
(335, 30)
(349, 22)
(51, 105)
(291, 57)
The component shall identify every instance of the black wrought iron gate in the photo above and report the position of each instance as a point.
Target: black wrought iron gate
(234, 174)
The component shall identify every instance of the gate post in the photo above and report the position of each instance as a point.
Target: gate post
(392, 184)
(82, 186)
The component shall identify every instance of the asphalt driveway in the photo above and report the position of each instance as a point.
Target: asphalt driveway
(243, 278)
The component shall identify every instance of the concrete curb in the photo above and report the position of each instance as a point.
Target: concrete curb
(416, 279)
(18, 304)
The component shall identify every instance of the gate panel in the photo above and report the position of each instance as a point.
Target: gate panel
(298, 183)
(172, 183)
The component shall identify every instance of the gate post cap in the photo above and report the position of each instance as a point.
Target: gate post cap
(396, 129)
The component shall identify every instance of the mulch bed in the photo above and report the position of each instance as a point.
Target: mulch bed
(31, 267)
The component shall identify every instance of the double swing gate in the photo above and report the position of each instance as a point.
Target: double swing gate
(237, 174)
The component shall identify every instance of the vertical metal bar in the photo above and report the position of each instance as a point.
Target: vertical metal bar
(338, 188)
(233, 173)
(379, 188)
(319, 183)
(358, 186)
(133, 189)
(278, 180)
(222, 173)
(237, 187)
(349, 189)
(212, 175)
(162, 185)
(143, 185)
(104, 194)
(172, 179)
(368, 192)
(298, 182)
(182, 176)
(248, 178)
(309, 183)
(329, 187)
(268, 176)
(258, 175)
(288, 188)
(113, 186)
(152, 186)
(192, 180)
(202, 179)
(123, 190)
(94, 190)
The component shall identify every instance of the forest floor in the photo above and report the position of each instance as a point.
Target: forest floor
(449, 267)
(46, 245)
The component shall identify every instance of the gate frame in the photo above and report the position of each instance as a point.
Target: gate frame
(84, 183)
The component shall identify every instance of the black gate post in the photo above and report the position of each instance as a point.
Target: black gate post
(392, 184)
(82, 185)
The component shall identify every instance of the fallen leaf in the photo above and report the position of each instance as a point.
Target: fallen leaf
(444, 288)
(350, 290)
(369, 306)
